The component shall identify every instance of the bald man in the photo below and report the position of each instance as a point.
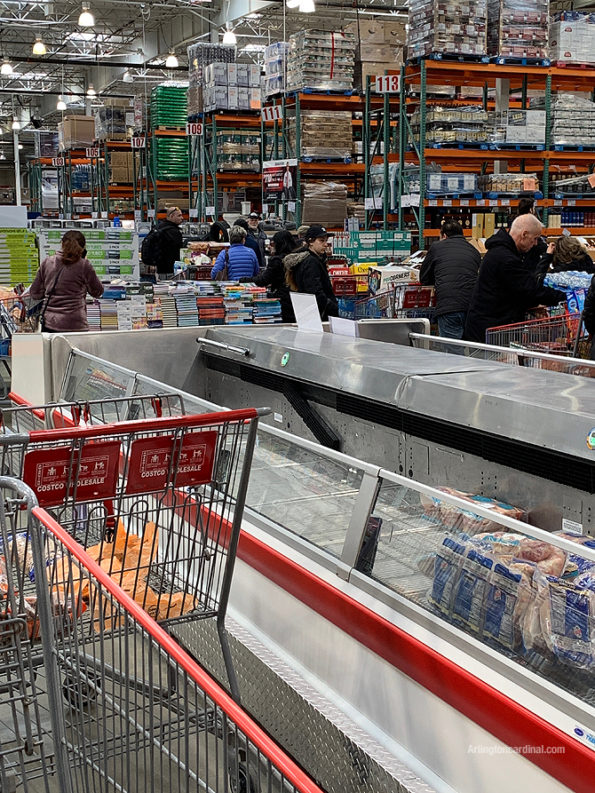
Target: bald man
(506, 288)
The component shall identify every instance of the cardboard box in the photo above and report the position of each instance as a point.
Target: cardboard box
(379, 278)
(376, 53)
(489, 224)
(368, 31)
(76, 132)
(374, 69)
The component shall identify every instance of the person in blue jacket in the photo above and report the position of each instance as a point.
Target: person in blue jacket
(251, 242)
(241, 261)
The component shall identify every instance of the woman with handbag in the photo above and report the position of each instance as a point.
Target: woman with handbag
(62, 283)
(237, 261)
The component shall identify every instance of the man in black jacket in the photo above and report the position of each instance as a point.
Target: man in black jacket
(505, 287)
(305, 271)
(170, 242)
(451, 266)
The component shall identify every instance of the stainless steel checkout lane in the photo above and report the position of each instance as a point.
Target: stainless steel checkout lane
(330, 655)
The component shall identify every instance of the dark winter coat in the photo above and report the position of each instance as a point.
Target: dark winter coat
(252, 243)
(451, 266)
(170, 242)
(532, 259)
(582, 264)
(589, 315)
(273, 276)
(259, 237)
(306, 272)
(505, 289)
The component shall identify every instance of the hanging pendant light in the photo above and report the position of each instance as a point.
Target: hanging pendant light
(91, 91)
(171, 61)
(61, 104)
(6, 67)
(39, 47)
(86, 19)
(16, 125)
(229, 37)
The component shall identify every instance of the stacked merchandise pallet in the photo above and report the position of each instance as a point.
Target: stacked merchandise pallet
(169, 111)
(321, 60)
(19, 258)
(275, 62)
(457, 27)
(518, 30)
(572, 35)
(200, 55)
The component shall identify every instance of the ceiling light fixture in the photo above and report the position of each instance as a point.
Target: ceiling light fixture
(39, 47)
(292, 3)
(307, 6)
(6, 67)
(86, 19)
(229, 37)
(20, 146)
(171, 61)
(61, 104)
(16, 125)
(91, 91)
(127, 77)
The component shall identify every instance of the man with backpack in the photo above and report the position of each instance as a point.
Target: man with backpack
(161, 248)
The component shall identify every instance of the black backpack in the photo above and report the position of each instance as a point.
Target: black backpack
(151, 249)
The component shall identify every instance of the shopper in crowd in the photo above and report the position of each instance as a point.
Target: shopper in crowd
(301, 232)
(566, 254)
(273, 275)
(255, 231)
(589, 316)
(218, 232)
(506, 288)
(451, 265)
(241, 262)
(62, 283)
(532, 259)
(250, 241)
(170, 242)
(306, 271)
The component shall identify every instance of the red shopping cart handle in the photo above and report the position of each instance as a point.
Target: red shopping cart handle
(149, 425)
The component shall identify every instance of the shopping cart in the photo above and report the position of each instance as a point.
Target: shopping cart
(563, 334)
(158, 502)
(399, 301)
(129, 710)
(413, 301)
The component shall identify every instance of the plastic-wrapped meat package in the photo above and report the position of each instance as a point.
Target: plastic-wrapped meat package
(457, 519)
(470, 591)
(447, 568)
(567, 616)
(547, 557)
(507, 598)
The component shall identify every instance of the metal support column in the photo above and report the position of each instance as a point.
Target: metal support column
(366, 143)
(421, 215)
(386, 141)
(17, 167)
(402, 131)
(548, 144)
(298, 154)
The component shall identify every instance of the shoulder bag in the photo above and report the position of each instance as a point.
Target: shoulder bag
(222, 274)
(37, 313)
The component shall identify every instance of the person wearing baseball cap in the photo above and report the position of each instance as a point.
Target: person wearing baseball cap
(257, 234)
(305, 271)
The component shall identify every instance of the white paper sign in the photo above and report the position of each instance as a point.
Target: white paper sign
(344, 327)
(193, 212)
(405, 200)
(306, 312)
(414, 197)
(150, 213)
(373, 203)
(210, 211)
(291, 206)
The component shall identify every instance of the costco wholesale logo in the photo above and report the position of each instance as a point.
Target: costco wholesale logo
(591, 439)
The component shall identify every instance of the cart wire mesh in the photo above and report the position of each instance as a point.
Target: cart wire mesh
(130, 710)
(563, 334)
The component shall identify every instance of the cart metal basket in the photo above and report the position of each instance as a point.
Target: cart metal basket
(127, 709)
(563, 334)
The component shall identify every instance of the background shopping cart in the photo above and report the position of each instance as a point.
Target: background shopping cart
(563, 334)
(400, 301)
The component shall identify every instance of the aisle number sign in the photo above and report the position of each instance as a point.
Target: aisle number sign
(58, 162)
(194, 128)
(274, 113)
(137, 142)
(94, 152)
(388, 83)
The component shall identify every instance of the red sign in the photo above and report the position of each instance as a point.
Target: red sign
(48, 472)
(149, 464)
(137, 143)
(92, 152)
(196, 458)
(58, 162)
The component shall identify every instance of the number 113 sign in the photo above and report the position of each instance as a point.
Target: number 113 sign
(388, 83)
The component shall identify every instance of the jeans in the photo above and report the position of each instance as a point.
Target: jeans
(452, 326)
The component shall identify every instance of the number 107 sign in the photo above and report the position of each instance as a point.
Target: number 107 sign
(388, 83)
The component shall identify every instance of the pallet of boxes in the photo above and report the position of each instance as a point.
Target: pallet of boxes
(76, 132)
(380, 47)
